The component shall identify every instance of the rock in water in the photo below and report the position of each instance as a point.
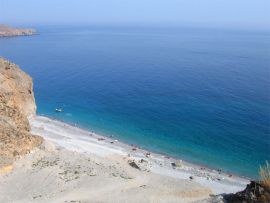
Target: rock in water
(17, 104)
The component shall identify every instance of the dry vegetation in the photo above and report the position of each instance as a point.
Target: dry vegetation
(264, 173)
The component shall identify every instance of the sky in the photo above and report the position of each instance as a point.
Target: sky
(210, 12)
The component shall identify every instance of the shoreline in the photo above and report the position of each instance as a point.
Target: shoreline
(157, 153)
(84, 141)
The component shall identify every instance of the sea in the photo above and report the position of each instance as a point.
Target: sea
(194, 93)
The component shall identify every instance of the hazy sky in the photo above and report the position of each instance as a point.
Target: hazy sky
(212, 12)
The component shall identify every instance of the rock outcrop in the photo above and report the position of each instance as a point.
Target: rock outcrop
(6, 31)
(254, 192)
(17, 104)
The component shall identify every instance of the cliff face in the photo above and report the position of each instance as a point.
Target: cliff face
(6, 31)
(17, 104)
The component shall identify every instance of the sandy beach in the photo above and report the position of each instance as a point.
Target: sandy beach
(75, 165)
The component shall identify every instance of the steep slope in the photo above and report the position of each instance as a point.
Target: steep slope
(17, 104)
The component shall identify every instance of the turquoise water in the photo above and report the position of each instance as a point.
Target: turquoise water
(197, 94)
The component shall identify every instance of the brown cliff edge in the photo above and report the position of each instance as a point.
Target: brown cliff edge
(17, 104)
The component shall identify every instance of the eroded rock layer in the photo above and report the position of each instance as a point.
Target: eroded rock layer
(17, 104)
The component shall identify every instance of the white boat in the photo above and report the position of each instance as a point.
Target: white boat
(58, 110)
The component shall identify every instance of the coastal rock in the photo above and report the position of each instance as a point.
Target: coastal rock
(17, 88)
(134, 165)
(6, 31)
(17, 104)
(254, 192)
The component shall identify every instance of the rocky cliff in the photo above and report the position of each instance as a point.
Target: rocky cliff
(254, 192)
(6, 31)
(17, 104)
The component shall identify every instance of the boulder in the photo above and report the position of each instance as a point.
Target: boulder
(254, 192)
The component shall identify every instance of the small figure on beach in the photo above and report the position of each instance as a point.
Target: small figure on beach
(147, 154)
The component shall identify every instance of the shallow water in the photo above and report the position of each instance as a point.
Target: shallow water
(197, 94)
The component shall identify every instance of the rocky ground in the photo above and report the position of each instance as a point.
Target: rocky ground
(54, 174)
(254, 192)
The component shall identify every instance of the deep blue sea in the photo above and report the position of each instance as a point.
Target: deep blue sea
(199, 94)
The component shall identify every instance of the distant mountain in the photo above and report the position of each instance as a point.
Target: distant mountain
(6, 31)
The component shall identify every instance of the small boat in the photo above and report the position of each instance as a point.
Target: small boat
(58, 110)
